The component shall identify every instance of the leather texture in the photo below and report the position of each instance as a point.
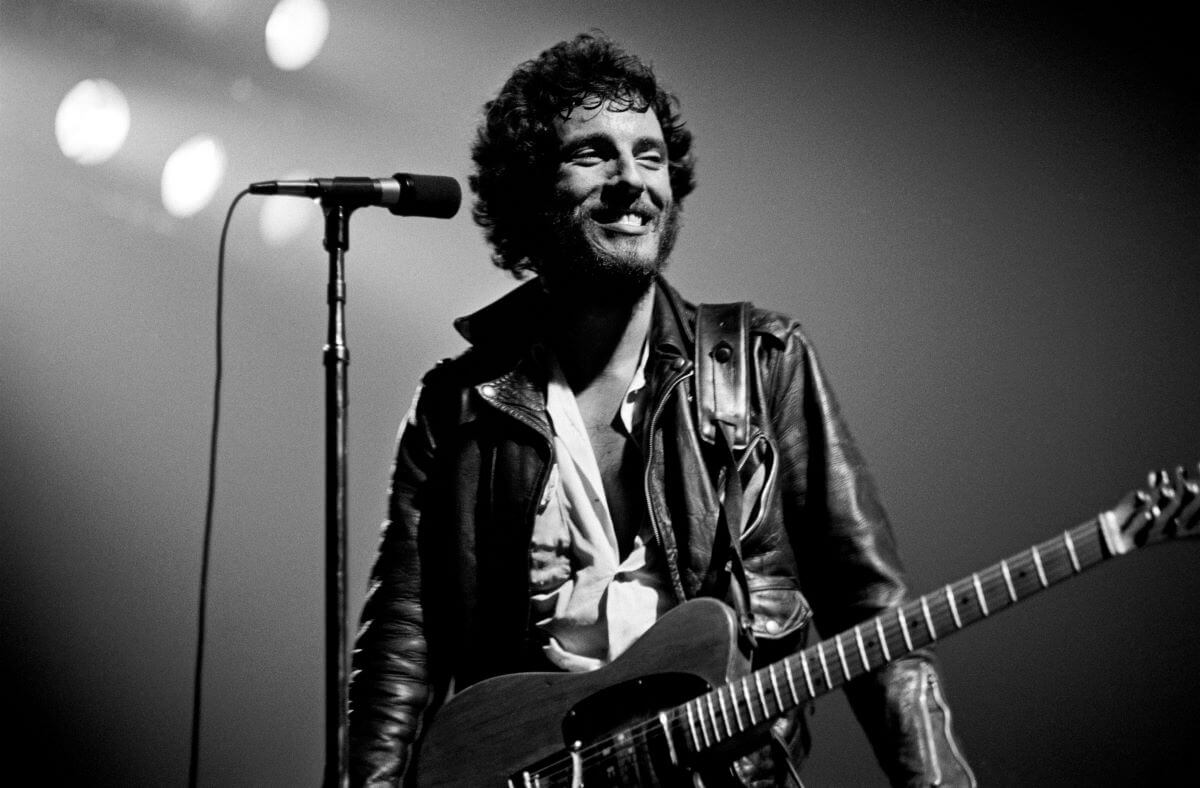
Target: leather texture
(448, 603)
(722, 374)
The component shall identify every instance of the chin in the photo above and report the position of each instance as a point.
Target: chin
(586, 264)
(602, 278)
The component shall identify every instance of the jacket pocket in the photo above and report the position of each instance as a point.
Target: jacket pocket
(757, 470)
(777, 606)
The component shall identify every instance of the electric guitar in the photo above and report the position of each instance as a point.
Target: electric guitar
(683, 696)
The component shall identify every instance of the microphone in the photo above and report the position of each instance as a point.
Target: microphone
(404, 194)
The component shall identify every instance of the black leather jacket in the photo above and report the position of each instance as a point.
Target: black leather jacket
(449, 598)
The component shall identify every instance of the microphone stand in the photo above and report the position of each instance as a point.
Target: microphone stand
(337, 359)
(410, 195)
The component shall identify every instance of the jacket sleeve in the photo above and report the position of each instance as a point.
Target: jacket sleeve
(851, 571)
(390, 683)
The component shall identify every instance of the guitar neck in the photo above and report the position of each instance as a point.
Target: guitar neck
(723, 714)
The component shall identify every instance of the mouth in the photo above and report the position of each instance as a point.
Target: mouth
(630, 221)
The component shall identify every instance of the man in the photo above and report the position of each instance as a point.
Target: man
(555, 491)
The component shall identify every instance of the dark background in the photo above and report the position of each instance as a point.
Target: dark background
(985, 214)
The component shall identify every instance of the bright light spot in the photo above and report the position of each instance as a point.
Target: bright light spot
(191, 176)
(296, 32)
(284, 218)
(92, 121)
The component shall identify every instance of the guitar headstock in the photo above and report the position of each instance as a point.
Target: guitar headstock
(1168, 507)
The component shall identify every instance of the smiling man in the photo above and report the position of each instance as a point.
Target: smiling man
(615, 216)
(565, 482)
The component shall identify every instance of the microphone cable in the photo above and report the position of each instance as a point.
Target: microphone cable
(194, 755)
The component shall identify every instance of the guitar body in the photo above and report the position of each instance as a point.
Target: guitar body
(506, 727)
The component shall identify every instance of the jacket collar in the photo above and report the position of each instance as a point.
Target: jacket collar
(508, 331)
(508, 321)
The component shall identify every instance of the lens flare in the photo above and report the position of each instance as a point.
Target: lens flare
(296, 31)
(191, 176)
(92, 122)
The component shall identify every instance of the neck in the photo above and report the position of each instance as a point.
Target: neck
(598, 340)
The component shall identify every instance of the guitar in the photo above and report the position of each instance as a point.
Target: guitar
(683, 696)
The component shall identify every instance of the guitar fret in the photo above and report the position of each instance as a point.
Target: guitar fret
(725, 714)
(807, 675)
(1071, 550)
(953, 608)
(841, 656)
(1037, 560)
(666, 729)
(904, 628)
(887, 657)
(775, 686)
(983, 608)
(762, 696)
(737, 713)
(691, 721)
(928, 618)
(787, 673)
(1012, 592)
(824, 665)
(749, 703)
(862, 649)
(703, 728)
(712, 718)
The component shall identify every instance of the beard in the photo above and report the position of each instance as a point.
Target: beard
(576, 265)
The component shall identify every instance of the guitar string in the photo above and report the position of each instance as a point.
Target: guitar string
(1051, 562)
(1048, 559)
(1055, 557)
(939, 612)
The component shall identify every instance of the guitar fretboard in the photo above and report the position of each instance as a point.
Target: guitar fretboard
(763, 695)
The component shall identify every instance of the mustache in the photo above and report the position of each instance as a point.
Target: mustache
(605, 211)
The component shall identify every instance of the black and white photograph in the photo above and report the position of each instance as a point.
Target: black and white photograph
(541, 393)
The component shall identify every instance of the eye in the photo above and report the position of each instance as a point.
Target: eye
(652, 159)
(585, 157)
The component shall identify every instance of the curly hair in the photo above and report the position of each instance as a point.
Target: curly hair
(516, 148)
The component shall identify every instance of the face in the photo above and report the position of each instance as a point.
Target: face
(614, 215)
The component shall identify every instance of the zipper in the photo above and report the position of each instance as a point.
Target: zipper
(685, 372)
(931, 686)
(927, 718)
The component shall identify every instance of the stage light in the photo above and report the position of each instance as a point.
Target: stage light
(296, 31)
(283, 219)
(92, 122)
(192, 175)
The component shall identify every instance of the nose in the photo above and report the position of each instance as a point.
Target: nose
(627, 178)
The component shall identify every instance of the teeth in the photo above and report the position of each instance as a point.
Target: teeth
(632, 218)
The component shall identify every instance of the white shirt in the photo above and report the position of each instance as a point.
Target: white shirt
(590, 603)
